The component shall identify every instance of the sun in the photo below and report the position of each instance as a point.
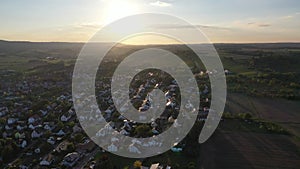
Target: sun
(116, 9)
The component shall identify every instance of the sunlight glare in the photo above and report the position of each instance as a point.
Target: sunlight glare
(116, 9)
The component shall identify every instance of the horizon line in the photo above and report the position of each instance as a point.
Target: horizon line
(82, 42)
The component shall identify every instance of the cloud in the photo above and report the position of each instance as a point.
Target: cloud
(287, 17)
(160, 4)
(89, 25)
(264, 25)
(259, 24)
(178, 26)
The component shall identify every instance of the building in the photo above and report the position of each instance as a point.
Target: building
(71, 159)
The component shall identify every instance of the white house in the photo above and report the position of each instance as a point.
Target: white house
(44, 163)
(71, 159)
(47, 160)
(23, 167)
(124, 132)
(35, 134)
(60, 133)
(48, 127)
(154, 166)
(51, 140)
(65, 118)
(21, 127)
(2, 113)
(11, 121)
(44, 112)
(76, 129)
(8, 127)
(31, 126)
(133, 149)
(33, 119)
(23, 144)
(112, 148)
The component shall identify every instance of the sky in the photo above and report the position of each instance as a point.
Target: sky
(223, 21)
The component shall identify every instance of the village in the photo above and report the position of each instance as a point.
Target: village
(39, 133)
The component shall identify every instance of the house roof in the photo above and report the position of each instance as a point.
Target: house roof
(154, 166)
(87, 146)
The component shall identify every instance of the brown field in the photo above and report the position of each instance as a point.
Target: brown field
(241, 150)
(281, 111)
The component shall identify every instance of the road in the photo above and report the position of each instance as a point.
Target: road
(86, 158)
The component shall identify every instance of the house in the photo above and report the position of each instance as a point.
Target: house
(65, 117)
(44, 112)
(33, 126)
(23, 167)
(71, 159)
(205, 91)
(60, 133)
(4, 134)
(35, 134)
(176, 150)
(112, 148)
(72, 111)
(11, 121)
(48, 160)
(85, 147)
(124, 132)
(154, 131)
(44, 163)
(19, 135)
(76, 129)
(51, 140)
(21, 125)
(23, 144)
(155, 166)
(49, 127)
(8, 127)
(33, 119)
(3, 111)
(133, 149)
(62, 146)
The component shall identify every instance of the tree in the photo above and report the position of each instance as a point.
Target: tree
(8, 153)
(71, 124)
(137, 164)
(78, 137)
(191, 165)
(47, 134)
(104, 162)
(143, 131)
(192, 145)
(70, 147)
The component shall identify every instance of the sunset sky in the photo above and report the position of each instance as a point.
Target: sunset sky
(225, 21)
